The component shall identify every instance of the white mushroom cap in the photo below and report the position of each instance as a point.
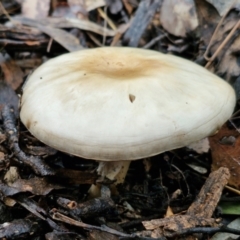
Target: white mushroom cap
(115, 104)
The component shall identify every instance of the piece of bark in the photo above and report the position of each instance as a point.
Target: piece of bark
(199, 213)
(178, 223)
(209, 196)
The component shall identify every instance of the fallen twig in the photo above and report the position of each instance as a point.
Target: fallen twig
(36, 163)
(60, 217)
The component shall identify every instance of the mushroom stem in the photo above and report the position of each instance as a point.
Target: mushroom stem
(112, 170)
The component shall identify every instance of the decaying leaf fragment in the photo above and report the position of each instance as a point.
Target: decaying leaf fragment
(179, 17)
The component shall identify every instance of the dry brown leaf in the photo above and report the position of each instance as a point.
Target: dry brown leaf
(179, 17)
(13, 74)
(68, 23)
(225, 149)
(67, 40)
(35, 9)
(37, 186)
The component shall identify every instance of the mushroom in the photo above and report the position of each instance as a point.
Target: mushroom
(117, 104)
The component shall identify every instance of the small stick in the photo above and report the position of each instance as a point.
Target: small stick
(60, 217)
